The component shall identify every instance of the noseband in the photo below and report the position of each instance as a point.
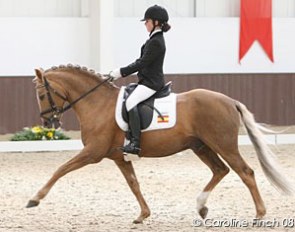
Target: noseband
(56, 110)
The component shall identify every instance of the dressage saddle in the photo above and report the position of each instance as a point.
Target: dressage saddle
(146, 107)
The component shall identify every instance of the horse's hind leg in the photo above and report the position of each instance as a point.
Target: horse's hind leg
(127, 170)
(82, 159)
(219, 170)
(236, 162)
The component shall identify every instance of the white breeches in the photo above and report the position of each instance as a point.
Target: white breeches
(140, 94)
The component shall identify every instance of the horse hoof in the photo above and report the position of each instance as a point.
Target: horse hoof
(137, 221)
(203, 212)
(260, 215)
(32, 203)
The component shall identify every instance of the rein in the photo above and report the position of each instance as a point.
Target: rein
(60, 110)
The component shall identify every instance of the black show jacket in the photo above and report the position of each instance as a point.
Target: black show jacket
(150, 64)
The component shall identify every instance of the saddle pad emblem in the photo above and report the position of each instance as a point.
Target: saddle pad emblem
(163, 119)
(166, 106)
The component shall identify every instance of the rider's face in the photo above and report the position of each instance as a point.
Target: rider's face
(149, 25)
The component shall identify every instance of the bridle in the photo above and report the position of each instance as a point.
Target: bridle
(57, 111)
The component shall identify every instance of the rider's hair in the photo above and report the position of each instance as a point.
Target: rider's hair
(165, 26)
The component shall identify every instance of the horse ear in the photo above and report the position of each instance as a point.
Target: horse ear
(39, 74)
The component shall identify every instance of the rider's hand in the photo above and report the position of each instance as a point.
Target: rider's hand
(115, 74)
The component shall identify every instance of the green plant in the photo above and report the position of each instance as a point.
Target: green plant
(39, 133)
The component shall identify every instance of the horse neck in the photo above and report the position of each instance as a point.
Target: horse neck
(100, 100)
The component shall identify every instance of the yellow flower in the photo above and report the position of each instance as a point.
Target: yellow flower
(50, 134)
(36, 129)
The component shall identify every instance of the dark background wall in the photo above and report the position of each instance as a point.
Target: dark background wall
(271, 97)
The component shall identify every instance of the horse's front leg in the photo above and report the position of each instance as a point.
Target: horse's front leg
(86, 156)
(129, 174)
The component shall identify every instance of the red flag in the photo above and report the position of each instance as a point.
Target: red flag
(256, 24)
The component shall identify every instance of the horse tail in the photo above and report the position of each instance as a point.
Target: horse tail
(266, 157)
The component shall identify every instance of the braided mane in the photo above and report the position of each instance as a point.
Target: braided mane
(78, 68)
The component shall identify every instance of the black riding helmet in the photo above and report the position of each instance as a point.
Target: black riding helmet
(160, 14)
(156, 13)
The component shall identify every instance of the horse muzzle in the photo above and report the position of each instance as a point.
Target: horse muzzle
(52, 122)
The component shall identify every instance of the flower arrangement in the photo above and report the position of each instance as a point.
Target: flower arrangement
(39, 133)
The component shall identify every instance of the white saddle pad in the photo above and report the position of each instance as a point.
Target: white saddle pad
(165, 105)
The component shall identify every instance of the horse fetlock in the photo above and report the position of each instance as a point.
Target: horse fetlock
(202, 199)
(142, 216)
(260, 213)
(146, 214)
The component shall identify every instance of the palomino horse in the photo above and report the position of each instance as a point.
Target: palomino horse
(207, 123)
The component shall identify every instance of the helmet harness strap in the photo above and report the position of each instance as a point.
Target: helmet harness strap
(154, 27)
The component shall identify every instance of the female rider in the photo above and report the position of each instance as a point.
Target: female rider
(149, 68)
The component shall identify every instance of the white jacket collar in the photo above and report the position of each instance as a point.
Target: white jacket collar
(155, 31)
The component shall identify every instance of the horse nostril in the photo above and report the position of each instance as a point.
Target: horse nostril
(57, 124)
(46, 124)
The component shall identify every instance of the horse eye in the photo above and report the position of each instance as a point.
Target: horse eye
(41, 97)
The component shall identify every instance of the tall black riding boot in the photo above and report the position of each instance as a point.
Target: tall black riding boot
(134, 125)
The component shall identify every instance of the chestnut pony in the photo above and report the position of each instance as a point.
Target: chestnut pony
(207, 123)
